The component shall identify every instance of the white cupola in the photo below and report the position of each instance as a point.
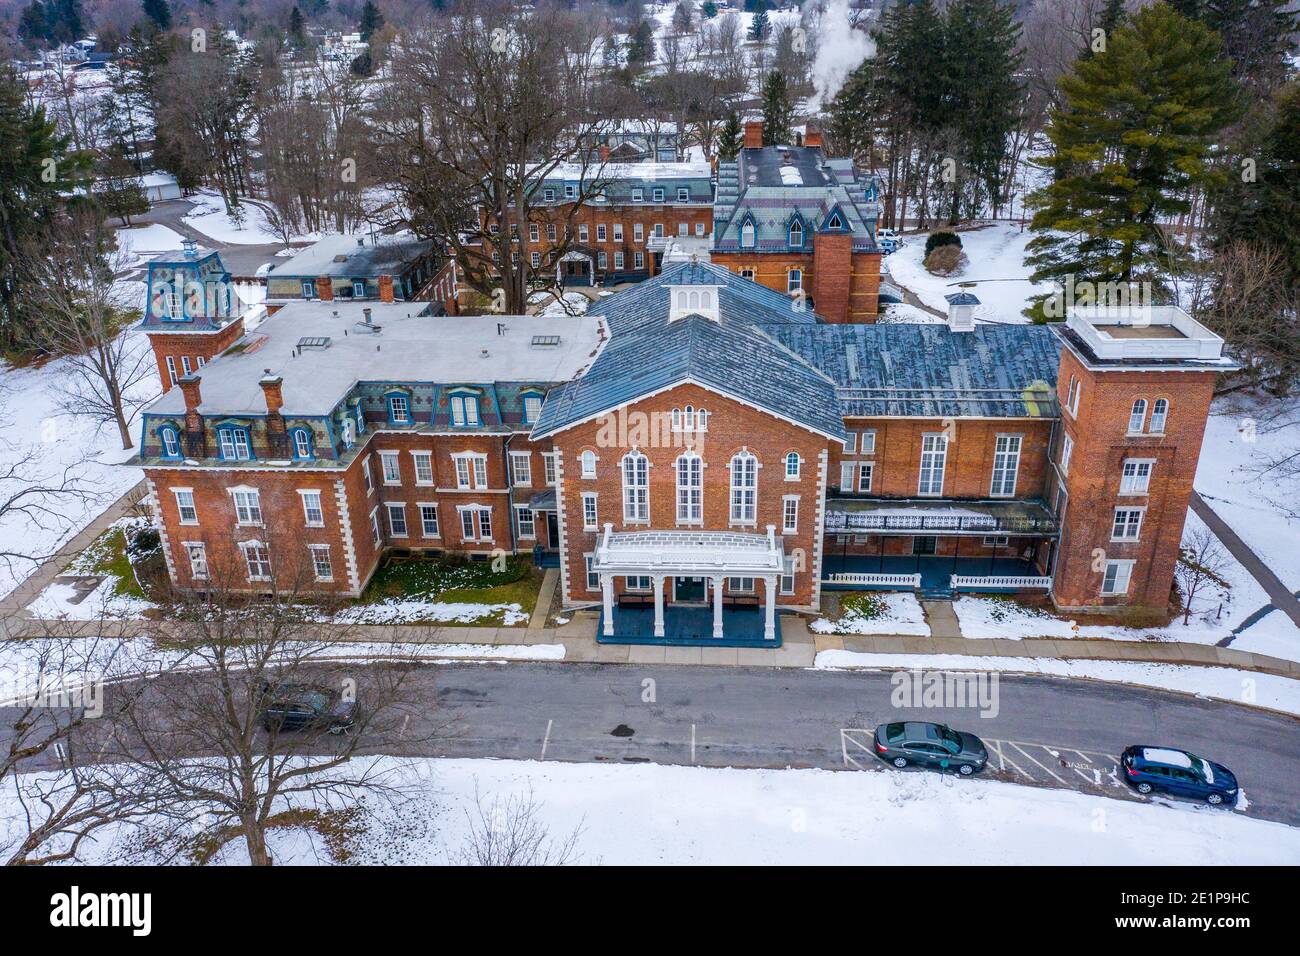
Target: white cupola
(961, 311)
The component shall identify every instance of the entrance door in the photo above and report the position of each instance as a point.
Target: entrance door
(552, 531)
(924, 544)
(688, 590)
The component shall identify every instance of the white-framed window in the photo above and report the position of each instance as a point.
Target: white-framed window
(532, 408)
(471, 470)
(602, 260)
(321, 564)
(475, 522)
(789, 514)
(1135, 479)
(1159, 415)
(747, 234)
(934, 458)
(851, 444)
(740, 585)
(399, 409)
(867, 442)
(638, 582)
(534, 233)
(535, 259)
(794, 280)
(171, 369)
(248, 506)
(375, 534)
(396, 518)
(587, 462)
(570, 191)
(186, 368)
(521, 469)
(636, 487)
(618, 232)
(1072, 396)
(690, 419)
(658, 194)
(683, 194)
(390, 468)
(185, 507)
(796, 234)
(429, 519)
(683, 228)
(550, 232)
(423, 467)
(866, 473)
(590, 512)
(302, 443)
(996, 540)
(348, 437)
(524, 519)
(601, 232)
(257, 558)
(197, 552)
(638, 259)
(618, 260)
(365, 474)
(690, 489)
(312, 511)
(234, 444)
(464, 409)
(747, 274)
(1127, 525)
(593, 579)
(638, 231)
(1137, 417)
(744, 488)
(848, 476)
(583, 232)
(793, 465)
(1067, 449)
(550, 471)
(787, 575)
(699, 229)
(1116, 578)
(1006, 465)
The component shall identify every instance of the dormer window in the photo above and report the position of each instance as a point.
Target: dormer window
(659, 194)
(302, 444)
(171, 442)
(796, 235)
(464, 409)
(638, 194)
(308, 289)
(532, 407)
(399, 409)
(748, 235)
(234, 443)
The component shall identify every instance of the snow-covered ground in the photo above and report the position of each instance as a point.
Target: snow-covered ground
(901, 614)
(1219, 683)
(661, 815)
(395, 611)
(148, 240)
(209, 217)
(995, 259)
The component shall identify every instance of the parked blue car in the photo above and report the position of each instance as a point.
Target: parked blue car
(1176, 772)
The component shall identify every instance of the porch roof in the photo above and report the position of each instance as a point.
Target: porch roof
(688, 552)
(941, 517)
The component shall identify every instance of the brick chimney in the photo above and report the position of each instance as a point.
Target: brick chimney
(385, 288)
(276, 435)
(273, 389)
(194, 434)
(324, 288)
(754, 134)
(812, 136)
(604, 154)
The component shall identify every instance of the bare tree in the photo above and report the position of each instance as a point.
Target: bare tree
(484, 106)
(1201, 565)
(82, 313)
(213, 738)
(35, 496)
(510, 832)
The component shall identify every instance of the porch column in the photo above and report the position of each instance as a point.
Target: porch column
(717, 607)
(607, 594)
(659, 605)
(769, 620)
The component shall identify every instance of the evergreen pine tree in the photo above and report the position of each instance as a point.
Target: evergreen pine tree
(297, 28)
(1131, 139)
(641, 44)
(372, 19)
(159, 13)
(709, 9)
(730, 139)
(778, 114)
(761, 25)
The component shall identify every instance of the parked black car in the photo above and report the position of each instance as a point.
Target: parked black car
(930, 745)
(306, 706)
(1179, 773)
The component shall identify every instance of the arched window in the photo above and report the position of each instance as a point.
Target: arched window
(171, 442)
(701, 420)
(588, 460)
(796, 235)
(302, 443)
(677, 419)
(690, 489)
(706, 299)
(747, 236)
(1159, 415)
(688, 419)
(694, 300)
(636, 487)
(744, 488)
(1138, 416)
(792, 465)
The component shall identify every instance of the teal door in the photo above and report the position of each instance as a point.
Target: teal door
(688, 590)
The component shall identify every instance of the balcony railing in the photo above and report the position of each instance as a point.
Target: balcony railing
(862, 521)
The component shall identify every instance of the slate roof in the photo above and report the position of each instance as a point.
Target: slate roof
(362, 257)
(739, 299)
(932, 372)
(731, 356)
(760, 182)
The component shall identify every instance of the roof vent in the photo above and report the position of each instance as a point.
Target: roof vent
(340, 258)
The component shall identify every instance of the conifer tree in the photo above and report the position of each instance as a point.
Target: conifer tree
(730, 139)
(778, 114)
(761, 24)
(159, 13)
(372, 19)
(1132, 138)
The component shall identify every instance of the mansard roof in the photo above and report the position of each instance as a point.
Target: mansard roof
(929, 371)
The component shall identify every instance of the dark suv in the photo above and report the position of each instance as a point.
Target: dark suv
(932, 745)
(1179, 773)
(306, 706)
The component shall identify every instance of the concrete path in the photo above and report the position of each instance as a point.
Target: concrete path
(942, 618)
(545, 594)
(1277, 592)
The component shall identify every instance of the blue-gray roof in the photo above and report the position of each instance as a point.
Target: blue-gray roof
(732, 355)
(930, 371)
(961, 298)
(739, 299)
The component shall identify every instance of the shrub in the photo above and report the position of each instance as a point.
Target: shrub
(944, 260)
(937, 239)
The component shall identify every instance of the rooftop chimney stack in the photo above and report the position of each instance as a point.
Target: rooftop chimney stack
(812, 136)
(754, 134)
(273, 389)
(366, 313)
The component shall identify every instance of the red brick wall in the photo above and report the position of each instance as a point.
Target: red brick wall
(832, 274)
(732, 426)
(1100, 447)
(196, 345)
(858, 304)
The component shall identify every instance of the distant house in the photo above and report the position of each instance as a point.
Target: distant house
(638, 141)
(389, 268)
(159, 187)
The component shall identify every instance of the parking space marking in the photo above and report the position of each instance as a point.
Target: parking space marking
(1003, 760)
(1043, 767)
(855, 741)
(547, 739)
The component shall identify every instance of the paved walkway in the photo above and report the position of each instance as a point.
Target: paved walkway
(545, 595)
(1277, 592)
(942, 619)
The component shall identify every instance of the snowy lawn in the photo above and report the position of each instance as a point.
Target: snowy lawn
(1220, 683)
(872, 612)
(448, 591)
(209, 217)
(660, 815)
(148, 240)
(994, 253)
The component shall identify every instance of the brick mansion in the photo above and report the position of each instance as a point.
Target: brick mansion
(699, 452)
